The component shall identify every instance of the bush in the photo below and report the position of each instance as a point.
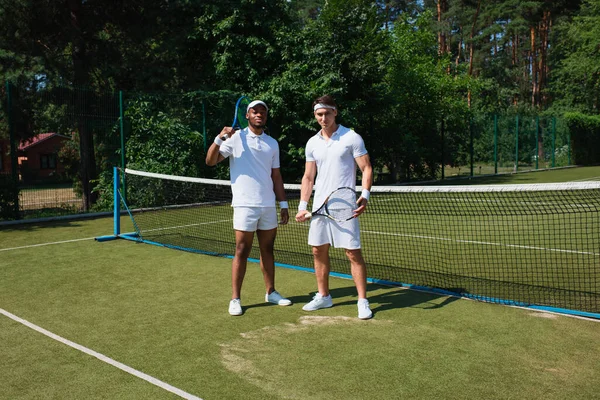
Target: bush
(9, 192)
(585, 137)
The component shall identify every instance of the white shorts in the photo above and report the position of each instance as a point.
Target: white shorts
(251, 219)
(344, 235)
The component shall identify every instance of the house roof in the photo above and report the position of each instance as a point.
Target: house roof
(37, 139)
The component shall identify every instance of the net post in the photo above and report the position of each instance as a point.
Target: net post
(122, 128)
(117, 203)
(122, 131)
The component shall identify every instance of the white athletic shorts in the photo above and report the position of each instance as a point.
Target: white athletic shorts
(344, 235)
(251, 219)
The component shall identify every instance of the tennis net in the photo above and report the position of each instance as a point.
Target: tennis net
(530, 245)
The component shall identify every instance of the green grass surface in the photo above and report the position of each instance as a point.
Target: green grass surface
(539, 248)
(164, 313)
(544, 176)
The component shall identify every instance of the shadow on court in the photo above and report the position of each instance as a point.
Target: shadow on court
(393, 298)
(386, 299)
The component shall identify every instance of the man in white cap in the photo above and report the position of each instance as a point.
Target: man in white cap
(332, 156)
(256, 184)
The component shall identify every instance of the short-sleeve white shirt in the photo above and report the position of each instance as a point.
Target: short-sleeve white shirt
(251, 161)
(335, 161)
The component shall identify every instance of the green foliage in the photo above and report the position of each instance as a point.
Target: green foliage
(160, 141)
(585, 136)
(381, 60)
(9, 192)
(68, 156)
(419, 95)
(342, 53)
(578, 74)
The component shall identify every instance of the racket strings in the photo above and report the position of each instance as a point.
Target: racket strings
(341, 204)
(239, 118)
(241, 113)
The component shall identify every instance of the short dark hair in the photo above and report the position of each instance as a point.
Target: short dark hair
(327, 100)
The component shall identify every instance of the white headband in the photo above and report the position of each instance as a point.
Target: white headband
(321, 105)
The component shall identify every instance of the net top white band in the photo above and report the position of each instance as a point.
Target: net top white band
(533, 187)
(321, 105)
(178, 178)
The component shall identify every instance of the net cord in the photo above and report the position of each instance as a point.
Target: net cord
(531, 187)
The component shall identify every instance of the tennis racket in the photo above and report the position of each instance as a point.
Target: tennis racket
(239, 118)
(338, 206)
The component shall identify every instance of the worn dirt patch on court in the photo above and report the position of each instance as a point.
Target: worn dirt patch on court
(238, 355)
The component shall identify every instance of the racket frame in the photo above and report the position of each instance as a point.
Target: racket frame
(323, 210)
(239, 103)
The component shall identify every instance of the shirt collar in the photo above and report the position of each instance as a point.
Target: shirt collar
(336, 133)
(253, 135)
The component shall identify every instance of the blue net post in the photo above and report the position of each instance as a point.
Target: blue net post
(117, 202)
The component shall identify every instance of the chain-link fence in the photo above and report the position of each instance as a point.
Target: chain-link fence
(509, 143)
(58, 145)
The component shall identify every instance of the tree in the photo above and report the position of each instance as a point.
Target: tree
(342, 52)
(423, 95)
(577, 80)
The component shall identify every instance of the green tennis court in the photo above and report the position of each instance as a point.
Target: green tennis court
(528, 245)
(157, 321)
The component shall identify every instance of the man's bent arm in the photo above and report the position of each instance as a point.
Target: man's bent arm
(213, 156)
(308, 181)
(364, 164)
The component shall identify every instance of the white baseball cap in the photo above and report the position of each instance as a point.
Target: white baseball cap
(256, 103)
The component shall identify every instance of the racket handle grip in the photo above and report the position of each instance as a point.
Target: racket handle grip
(308, 215)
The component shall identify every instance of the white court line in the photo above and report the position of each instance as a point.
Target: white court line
(443, 239)
(45, 244)
(103, 358)
(93, 238)
(592, 179)
(482, 243)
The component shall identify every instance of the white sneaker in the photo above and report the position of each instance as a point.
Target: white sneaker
(276, 298)
(317, 302)
(364, 312)
(235, 307)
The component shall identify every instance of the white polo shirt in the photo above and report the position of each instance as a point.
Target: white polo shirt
(335, 161)
(251, 160)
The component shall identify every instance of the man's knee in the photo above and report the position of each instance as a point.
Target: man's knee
(354, 255)
(320, 251)
(242, 249)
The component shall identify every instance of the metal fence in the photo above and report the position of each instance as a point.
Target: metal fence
(499, 144)
(55, 140)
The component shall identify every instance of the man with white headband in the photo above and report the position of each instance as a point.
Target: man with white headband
(256, 183)
(332, 156)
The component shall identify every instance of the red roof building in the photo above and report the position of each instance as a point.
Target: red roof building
(38, 156)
